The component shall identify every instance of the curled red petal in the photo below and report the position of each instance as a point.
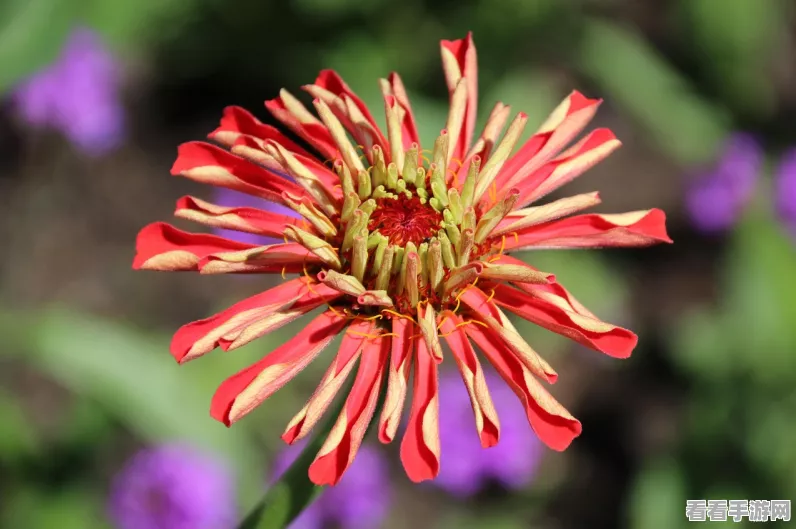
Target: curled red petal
(459, 60)
(212, 165)
(354, 341)
(244, 391)
(633, 229)
(486, 418)
(161, 246)
(237, 122)
(243, 322)
(289, 257)
(561, 127)
(313, 132)
(249, 220)
(569, 165)
(549, 419)
(345, 438)
(397, 378)
(590, 332)
(420, 448)
(394, 87)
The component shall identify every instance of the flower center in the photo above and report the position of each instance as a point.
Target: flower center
(404, 220)
(408, 233)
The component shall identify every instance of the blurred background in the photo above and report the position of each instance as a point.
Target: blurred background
(100, 428)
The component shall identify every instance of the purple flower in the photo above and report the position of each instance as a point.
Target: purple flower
(719, 195)
(173, 487)
(360, 501)
(466, 467)
(785, 191)
(229, 198)
(78, 95)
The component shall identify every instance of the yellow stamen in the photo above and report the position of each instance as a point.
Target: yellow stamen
(388, 311)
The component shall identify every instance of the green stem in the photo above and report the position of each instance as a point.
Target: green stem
(293, 492)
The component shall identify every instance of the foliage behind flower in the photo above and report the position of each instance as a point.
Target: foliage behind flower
(405, 249)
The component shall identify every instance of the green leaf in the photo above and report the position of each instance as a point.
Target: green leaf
(760, 289)
(128, 25)
(636, 77)
(700, 345)
(751, 332)
(132, 377)
(73, 509)
(19, 438)
(658, 497)
(31, 35)
(731, 46)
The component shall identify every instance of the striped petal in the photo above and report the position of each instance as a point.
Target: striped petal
(552, 292)
(569, 165)
(420, 448)
(248, 220)
(212, 165)
(495, 124)
(354, 341)
(295, 116)
(459, 61)
(486, 418)
(345, 438)
(633, 229)
(485, 310)
(349, 109)
(590, 332)
(289, 258)
(524, 218)
(161, 246)
(394, 87)
(397, 378)
(244, 391)
(560, 128)
(554, 425)
(308, 172)
(249, 319)
(237, 123)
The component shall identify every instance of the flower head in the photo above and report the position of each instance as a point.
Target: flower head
(360, 501)
(78, 94)
(467, 468)
(406, 248)
(718, 196)
(174, 487)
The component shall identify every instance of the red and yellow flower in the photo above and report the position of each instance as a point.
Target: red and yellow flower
(403, 251)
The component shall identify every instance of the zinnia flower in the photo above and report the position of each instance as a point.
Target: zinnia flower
(404, 251)
(173, 487)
